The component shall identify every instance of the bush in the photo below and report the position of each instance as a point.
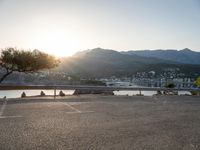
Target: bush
(194, 93)
(170, 85)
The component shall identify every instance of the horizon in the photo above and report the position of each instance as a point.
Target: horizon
(76, 52)
(63, 28)
(130, 50)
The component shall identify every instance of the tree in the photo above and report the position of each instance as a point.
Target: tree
(198, 82)
(14, 60)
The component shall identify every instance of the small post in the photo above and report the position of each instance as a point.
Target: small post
(54, 92)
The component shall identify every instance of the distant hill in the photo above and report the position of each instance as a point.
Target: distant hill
(103, 63)
(185, 56)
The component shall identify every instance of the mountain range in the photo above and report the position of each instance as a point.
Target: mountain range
(100, 62)
(185, 56)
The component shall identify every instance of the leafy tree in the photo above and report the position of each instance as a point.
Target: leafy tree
(14, 60)
(198, 82)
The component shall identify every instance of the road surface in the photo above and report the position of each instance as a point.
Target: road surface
(89, 122)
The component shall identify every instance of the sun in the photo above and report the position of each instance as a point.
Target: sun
(56, 43)
(57, 39)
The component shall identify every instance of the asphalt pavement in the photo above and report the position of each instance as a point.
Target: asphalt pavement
(97, 122)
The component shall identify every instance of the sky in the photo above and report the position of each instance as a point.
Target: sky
(63, 27)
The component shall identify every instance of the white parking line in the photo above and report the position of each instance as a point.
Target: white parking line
(73, 108)
(3, 117)
(2, 111)
(74, 112)
(3, 107)
(78, 111)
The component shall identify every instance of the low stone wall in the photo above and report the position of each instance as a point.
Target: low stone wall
(87, 91)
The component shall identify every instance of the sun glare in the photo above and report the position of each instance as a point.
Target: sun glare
(56, 43)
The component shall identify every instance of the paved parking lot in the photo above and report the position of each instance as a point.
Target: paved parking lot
(101, 122)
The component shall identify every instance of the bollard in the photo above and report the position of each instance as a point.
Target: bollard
(54, 93)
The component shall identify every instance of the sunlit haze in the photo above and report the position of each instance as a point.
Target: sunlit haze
(63, 27)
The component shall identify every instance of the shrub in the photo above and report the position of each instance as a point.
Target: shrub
(170, 85)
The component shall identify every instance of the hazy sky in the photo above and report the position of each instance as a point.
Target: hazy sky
(63, 27)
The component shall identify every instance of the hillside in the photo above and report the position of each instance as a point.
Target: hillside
(185, 56)
(103, 63)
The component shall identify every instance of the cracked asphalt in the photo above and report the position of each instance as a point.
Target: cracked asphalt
(89, 122)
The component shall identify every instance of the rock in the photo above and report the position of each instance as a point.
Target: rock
(23, 95)
(42, 93)
(61, 93)
(167, 92)
(159, 92)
